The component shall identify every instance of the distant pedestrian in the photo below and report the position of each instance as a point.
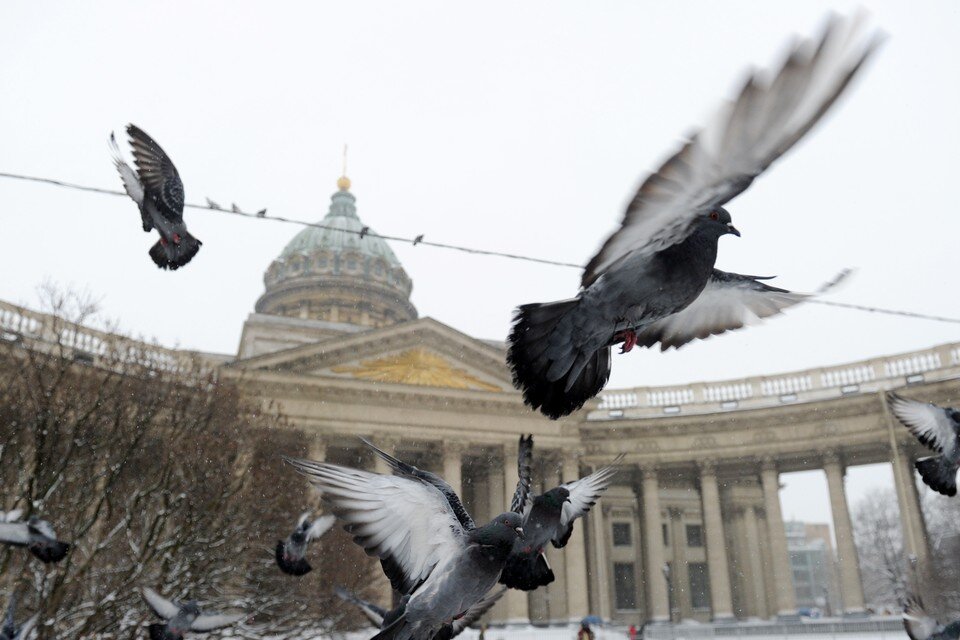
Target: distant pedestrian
(585, 632)
(632, 632)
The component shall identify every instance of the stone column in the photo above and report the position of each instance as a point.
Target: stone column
(784, 597)
(680, 573)
(755, 575)
(500, 611)
(518, 610)
(575, 552)
(453, 465)
(911, 516)
(657, 599)
(851, 589)
(598, 530)
(721, 602)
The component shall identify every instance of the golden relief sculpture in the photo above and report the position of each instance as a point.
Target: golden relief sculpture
(416, 366)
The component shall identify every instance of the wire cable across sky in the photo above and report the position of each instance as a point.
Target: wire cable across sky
(419, 240)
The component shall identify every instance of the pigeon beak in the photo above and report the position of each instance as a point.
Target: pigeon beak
(732, 229)
(519, 531)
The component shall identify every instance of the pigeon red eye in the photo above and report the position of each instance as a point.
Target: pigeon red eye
(714, 215)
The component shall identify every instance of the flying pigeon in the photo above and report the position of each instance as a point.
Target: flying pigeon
(653, 280)
(426, 550)
(938, 429)
(524, 473)
(10, 630)
(290, 552)
(920, 626)
(181, 617)
(35, 534)
(549, 518)
(378, 615)
(158, 192)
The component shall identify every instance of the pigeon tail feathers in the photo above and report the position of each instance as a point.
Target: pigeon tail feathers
(554, 374)
(172, 256)
(527, 572)
(399, 629)
(158, 631)
(939, 474)
(47, 552)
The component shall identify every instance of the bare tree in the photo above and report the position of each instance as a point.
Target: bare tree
(879, 540)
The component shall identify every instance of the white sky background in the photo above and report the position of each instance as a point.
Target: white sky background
(520, 127)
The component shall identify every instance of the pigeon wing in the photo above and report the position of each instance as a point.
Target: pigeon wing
(373, 613)
(11, 516)
(927, 422)
(131, 183)
(524, 472)
(917, 622)
(157, 174)
(584, 493)
(476, 612)
(24, 632)
(42, 527)
(14, 533)
(160, 605)
(319, 527)
(209, 623)
(770, 114)
(729, 301)
(303, 518)
(408, 470)
(406, 522)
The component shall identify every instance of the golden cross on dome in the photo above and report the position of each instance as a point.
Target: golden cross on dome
(343, 183)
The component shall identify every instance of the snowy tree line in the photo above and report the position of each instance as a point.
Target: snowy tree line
(171, 481)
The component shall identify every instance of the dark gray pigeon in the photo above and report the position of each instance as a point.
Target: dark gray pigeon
(291, 552)
(424, 547)
(549, 517)
(524, 473)
(938, 429)
(921, 626)
(181, 617)
(10, 630)
(381, 618)
(158, 191)
(35, 534)
(654, 279)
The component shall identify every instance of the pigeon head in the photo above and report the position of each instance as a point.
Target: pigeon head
(556, 497)
(501, 532)
(717, 222)
(190, 607)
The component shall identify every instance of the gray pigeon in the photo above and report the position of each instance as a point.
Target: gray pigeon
(35, 534)
(938, 429)
(549, 518)
(425, 549)
(158, 191)
(381, 618)
(10, 630)
(654, 279)
(290, 552)
(181, 617)
(921, 626)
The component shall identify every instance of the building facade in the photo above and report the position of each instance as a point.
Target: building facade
(691, 528)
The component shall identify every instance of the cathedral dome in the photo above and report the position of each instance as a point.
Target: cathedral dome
(334, 274)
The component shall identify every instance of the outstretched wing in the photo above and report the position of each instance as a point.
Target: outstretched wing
(209, 623)
(406, 522)
(373, 613)
(917, 622)
(524, 472)
(584, 493)
(729, 301)
(157, 174)
(926, 421)
(14, 533)
(27, 627)
(131, 183)
(401, 468)
(319, 527)
(160, 605)
(769, 116)
(476, 612)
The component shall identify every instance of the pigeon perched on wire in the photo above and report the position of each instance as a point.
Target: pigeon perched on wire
(547, 518)
(290, 552)
(35, 534)
(419, 533)
(158, 191)
(921, 626)
(653, 280)
(938, 429)
(10, 629)
(182, 617)
(381, 618)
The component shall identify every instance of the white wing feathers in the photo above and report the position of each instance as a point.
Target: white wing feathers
(209, 623)
(320, 526)
(14, 533)
(160, 605)
(11, 516)
(407, 523)
(927, 422)
(131, 183)
(586, 491)
(917, 622)
(719, 162)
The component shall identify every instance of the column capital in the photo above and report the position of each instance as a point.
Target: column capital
(649, 470)
(707, 466)
(831, 458)
(386, 442)
(453, 446)
(769, 463)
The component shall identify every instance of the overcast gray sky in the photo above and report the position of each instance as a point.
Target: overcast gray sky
(521, 127)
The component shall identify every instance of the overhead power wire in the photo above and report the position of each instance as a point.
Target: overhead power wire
(419, 240)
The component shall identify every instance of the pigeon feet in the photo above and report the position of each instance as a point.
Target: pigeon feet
(629, 337)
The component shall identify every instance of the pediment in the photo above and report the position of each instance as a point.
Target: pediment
(422, 353)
